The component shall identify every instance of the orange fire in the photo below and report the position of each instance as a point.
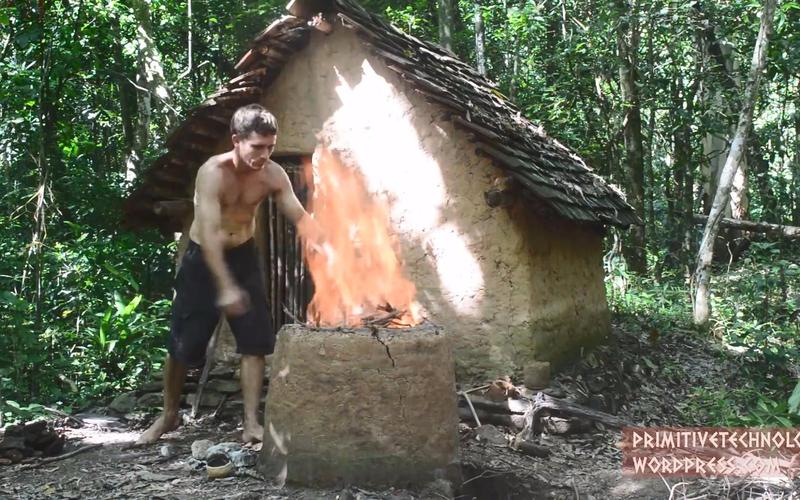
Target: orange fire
(358, 276)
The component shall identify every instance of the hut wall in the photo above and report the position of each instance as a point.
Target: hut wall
(509, 286)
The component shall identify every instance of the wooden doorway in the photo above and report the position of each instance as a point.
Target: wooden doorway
(288, 284)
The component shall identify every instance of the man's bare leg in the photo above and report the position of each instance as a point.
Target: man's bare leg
(174, 377)
(252, 381)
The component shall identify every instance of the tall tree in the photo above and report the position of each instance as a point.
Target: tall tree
(480, 38)
(150, 83)
(628, 37)
(702, 274)
(447, 16)
(796, 160)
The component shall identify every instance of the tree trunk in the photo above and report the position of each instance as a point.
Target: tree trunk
(796, 162)
(446, 23)
(150, 82)
(720, 56)
(480, 39)
(628, 47)
(39, 227)
(650, 177)
(128, 106)
(702, 275)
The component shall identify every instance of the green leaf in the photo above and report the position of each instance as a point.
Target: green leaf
(131, 305)
(13, 404)
(104, 323)
(794, 400)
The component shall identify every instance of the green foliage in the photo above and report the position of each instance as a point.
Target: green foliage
(756, 318)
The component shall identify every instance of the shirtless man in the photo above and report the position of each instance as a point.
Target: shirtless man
(219, 271)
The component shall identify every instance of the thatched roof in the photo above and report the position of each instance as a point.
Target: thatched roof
(547, 171)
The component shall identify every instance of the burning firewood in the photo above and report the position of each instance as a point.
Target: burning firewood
(389, 318)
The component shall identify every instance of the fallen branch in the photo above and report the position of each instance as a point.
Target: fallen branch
(789, 232)
(62, 456)
(544, 404)
(62, 414)
(514, 422)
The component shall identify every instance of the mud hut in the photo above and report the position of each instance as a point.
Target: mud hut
(501, 226)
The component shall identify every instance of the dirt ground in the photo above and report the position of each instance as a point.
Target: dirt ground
(637, 377)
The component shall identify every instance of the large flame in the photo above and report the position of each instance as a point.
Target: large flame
(358, 276)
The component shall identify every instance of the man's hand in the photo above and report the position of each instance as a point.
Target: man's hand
(233, 301)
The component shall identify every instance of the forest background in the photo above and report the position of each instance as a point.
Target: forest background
(649, 93)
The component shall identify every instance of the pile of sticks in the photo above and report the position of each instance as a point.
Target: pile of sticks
(387, 318)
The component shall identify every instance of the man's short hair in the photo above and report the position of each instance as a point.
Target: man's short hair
(253, 118)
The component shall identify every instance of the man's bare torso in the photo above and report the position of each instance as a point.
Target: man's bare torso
(239, 196)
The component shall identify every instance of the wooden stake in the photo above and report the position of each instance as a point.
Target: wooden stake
(212, 345)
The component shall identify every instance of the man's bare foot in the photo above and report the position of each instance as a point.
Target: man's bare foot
(253, 433)
(162, 425)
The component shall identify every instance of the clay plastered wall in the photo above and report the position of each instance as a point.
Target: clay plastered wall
(508, 286)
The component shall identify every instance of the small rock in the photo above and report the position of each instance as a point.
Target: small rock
(5, 461)
(225, 386)
(150, 400)
(194, 464)
(12, 430)
(14, 455)
(243, 457)
(200, 449)
(223, 448)
(168, 450)
(34, 428)
(154, 386)
(221, 371)
(124, 403)
(210, 399)
(490, 434)
(12, 442)
(536, 375)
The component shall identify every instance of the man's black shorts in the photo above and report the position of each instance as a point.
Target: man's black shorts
(195, 313)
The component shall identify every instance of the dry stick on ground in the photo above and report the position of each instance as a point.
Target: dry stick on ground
(62, 456)
(60, 413)
(222, 400)
(206, 369)
(543, 403)
(472, 408)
